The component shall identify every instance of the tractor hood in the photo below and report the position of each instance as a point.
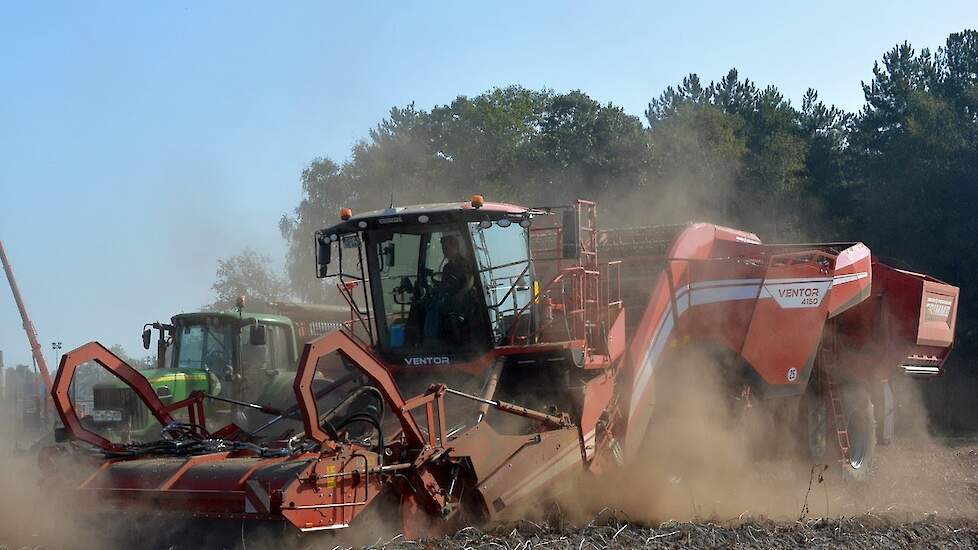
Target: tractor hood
(178, 381)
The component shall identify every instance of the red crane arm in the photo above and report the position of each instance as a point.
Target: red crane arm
(28, 325)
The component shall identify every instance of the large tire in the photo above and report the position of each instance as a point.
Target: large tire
(858, 466)
(819, 442)
(813, 416)
(884, 405)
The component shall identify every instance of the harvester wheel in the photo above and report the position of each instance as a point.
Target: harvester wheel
(861, 427)
(815, 426)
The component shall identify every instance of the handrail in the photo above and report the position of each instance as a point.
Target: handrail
(347, 294)
(573, 270)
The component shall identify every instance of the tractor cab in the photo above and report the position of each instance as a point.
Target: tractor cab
(433, 285)
(250, 357)
(241, 354)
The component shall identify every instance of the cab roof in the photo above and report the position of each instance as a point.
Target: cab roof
(445, 212)
(232, 315)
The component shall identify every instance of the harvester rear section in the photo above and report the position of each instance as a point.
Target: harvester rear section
(494, 351)
(817, 329)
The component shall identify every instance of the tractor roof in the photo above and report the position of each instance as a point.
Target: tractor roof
(446, 212)
(232, 315)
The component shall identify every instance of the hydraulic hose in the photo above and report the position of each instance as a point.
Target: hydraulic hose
(364, 417)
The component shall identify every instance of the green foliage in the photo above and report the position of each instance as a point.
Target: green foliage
(765, 164)
(514, 144)
(247, 274)
(914, 155)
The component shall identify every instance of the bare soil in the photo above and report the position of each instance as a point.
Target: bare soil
(861, 532)
(925, 495)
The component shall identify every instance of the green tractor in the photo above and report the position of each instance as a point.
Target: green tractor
(236, 357)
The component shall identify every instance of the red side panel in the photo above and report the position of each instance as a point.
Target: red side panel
(787, 325)
(908, 320)
(852, 280)
(703, 281)
(654, 331)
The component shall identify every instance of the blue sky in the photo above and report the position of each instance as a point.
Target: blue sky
(140, 142)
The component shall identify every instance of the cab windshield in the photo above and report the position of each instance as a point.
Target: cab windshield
(208, 346)
(426, 296)
(503, 256)
(449, 289)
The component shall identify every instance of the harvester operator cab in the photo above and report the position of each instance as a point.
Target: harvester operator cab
(427, 290)
(438, 284)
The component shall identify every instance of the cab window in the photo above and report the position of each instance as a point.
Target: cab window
(503, 257)
(425, 297)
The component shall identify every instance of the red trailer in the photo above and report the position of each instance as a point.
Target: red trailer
(495, 349)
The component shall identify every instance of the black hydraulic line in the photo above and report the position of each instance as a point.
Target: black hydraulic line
(294, 408)
(262, 408)
(349, 398)
(364, 417)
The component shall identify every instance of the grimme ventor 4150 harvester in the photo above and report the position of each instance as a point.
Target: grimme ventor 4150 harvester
(494, 349)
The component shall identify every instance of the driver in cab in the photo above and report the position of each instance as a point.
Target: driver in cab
(457, 279)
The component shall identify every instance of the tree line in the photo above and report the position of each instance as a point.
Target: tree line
(900, 174)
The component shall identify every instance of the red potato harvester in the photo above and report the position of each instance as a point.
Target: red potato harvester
(493, 350)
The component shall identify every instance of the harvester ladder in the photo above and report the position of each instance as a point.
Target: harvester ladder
(591, 299)
(839, 418)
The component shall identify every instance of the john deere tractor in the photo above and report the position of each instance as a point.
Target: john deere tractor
(244, 360)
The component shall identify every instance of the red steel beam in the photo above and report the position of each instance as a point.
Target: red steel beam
(341, 342)
(93, 351)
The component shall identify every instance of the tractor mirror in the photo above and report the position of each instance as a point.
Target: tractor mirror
(147, 334)
(571, 235)
(324, 249)
(256, 336)
(389, 254)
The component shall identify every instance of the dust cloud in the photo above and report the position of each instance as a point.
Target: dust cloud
(707, 456)
(34, 514)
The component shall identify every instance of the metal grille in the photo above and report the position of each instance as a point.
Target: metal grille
(319, 328)
(124, 400)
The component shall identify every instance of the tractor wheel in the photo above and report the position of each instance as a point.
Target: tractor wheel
(861, 418)
(814, 419)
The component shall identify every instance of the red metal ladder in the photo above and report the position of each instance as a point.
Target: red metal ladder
(839, 418)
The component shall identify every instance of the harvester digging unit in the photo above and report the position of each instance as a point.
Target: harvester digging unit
(495, 349)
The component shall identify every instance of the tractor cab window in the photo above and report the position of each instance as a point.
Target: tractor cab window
(205, 346)
(503, 256)
(255, 358)
(259, 364)
(425, 291)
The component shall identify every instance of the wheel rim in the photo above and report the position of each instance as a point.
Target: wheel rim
(858, 436)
